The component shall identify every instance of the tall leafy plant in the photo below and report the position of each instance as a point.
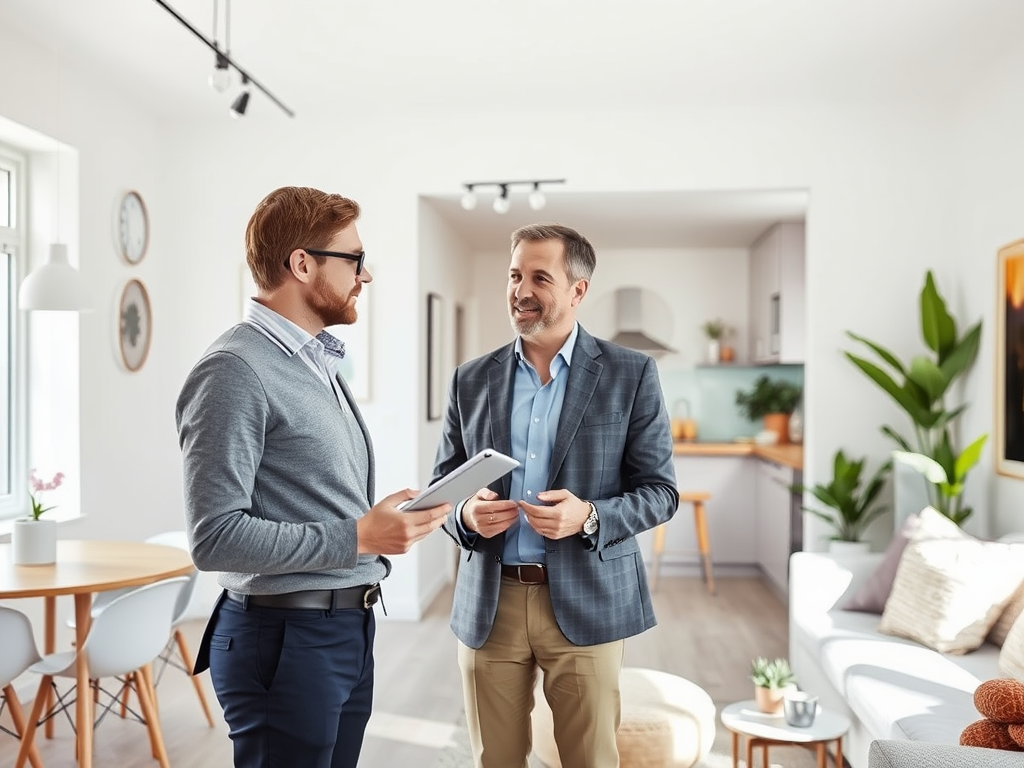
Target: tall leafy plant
(920, 388)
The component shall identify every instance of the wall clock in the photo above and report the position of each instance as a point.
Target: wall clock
(132, 227)
(134, 325)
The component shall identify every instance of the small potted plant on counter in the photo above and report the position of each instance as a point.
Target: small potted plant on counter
(854, 507)
(771, 679)
(772, 400)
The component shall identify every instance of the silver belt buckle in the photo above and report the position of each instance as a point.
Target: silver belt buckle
(366, 595)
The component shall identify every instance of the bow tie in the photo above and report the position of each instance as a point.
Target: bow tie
(332, 346)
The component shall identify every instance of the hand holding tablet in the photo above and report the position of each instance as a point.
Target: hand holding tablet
(462, 482)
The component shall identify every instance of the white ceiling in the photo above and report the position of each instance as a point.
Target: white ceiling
(351, 59)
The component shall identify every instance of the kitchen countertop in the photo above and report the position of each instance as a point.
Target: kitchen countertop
(788, 455)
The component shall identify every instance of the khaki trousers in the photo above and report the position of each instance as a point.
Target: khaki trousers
(581, 684)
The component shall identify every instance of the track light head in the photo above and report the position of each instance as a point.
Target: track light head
(240, 104)
(468, 200)
(501, 202)
(537, 199)
(220, 78)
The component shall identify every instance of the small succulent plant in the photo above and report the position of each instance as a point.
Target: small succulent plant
(774, 674)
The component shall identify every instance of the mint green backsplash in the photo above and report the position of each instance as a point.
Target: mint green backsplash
(711, 394)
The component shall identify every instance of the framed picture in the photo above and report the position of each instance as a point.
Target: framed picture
(435, 376)
(1009, 356)
(134, 325)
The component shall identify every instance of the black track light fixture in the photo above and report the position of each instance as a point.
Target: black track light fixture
(224, 57)
(502, 203)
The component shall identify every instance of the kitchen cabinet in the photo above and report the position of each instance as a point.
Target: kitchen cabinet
(774, 501)
(730, 511)
(776, 300)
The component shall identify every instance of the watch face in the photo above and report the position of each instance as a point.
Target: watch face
(133, 228)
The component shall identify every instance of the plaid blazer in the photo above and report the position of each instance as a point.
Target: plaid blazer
(613, 447)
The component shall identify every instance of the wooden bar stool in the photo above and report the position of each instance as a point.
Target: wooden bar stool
(697, 499)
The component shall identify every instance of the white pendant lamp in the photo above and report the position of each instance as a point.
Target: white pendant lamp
(54, 286)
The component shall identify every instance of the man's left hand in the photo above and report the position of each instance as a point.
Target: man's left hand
(561, 516)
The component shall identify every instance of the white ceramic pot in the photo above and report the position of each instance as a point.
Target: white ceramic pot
(714, 351)
(34, 542)
(849, 547)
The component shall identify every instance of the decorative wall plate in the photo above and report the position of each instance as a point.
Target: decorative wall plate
(134, 325)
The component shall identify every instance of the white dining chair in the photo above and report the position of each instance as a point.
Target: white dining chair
(19, 653)
(123, 641)
(176, 653)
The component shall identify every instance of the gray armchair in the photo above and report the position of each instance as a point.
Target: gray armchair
(920, 754)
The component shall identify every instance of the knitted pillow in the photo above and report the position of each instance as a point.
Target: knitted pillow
(949, 592)
(989, 734)
(1011, 655)
(926, 524)
(1001, 700)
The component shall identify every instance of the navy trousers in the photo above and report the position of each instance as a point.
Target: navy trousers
(296, 686)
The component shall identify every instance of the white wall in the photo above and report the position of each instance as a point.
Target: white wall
(885, 205)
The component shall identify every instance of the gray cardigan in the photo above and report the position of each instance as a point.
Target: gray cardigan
(276, 472)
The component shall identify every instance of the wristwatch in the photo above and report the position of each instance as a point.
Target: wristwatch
(592, 522)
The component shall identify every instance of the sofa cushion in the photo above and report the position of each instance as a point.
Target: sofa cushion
(1011, 655)
(949, 592)
(927, 524)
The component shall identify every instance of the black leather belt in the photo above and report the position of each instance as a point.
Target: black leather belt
(532, 573)
(314, 599)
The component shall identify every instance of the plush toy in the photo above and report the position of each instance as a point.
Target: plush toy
(1001, 701)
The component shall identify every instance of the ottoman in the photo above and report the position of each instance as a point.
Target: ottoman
(667, 722)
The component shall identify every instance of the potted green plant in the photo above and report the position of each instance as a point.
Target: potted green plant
(852, 507)
(771, 679)
(716, 330)
(771, 400)
(920, 389)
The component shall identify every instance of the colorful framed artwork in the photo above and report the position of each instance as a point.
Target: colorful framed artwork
(1009, 355)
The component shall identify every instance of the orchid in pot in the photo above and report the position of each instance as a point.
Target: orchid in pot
(34, 540)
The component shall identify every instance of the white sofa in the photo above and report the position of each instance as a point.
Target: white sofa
(889, 687)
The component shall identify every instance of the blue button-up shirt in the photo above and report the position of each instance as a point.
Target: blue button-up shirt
(536, 409)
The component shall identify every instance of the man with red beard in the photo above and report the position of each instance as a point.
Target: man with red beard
(552, 578)
(279, 496)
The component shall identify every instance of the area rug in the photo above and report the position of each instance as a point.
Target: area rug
(456, 754)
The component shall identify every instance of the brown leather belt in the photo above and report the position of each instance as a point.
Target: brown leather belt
(314, 599)
(526, 574)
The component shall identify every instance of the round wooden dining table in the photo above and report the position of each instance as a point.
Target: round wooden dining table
(82, 569)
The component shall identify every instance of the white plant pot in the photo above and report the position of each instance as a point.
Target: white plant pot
(34, 542)
(842, 548)
(714, 351)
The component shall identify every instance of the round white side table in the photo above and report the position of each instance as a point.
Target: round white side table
(763, 730)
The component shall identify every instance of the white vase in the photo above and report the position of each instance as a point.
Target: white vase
(714, 351)
(34, 542)
(842, 548)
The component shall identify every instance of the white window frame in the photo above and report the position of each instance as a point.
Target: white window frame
(14, 241)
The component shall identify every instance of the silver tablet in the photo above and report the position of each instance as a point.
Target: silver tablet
(464, 481)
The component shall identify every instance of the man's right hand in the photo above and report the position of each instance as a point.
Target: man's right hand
(387, 530)
(488, 515)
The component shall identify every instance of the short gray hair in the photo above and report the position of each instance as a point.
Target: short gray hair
(578, 255)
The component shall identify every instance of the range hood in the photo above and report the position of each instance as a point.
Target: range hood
(629, 324)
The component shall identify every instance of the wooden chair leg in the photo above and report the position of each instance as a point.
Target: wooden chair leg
(703, 544)
(186, 658)
(18, 718)
(659, 549)
(28, 736)
(144, 692)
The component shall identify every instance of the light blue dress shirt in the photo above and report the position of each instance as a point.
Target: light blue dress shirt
(536, 409)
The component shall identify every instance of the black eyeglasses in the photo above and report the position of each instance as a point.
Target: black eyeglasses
(356, 257)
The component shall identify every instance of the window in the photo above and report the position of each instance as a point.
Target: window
(12, 405)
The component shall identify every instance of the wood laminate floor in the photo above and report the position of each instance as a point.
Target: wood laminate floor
(707, 639)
